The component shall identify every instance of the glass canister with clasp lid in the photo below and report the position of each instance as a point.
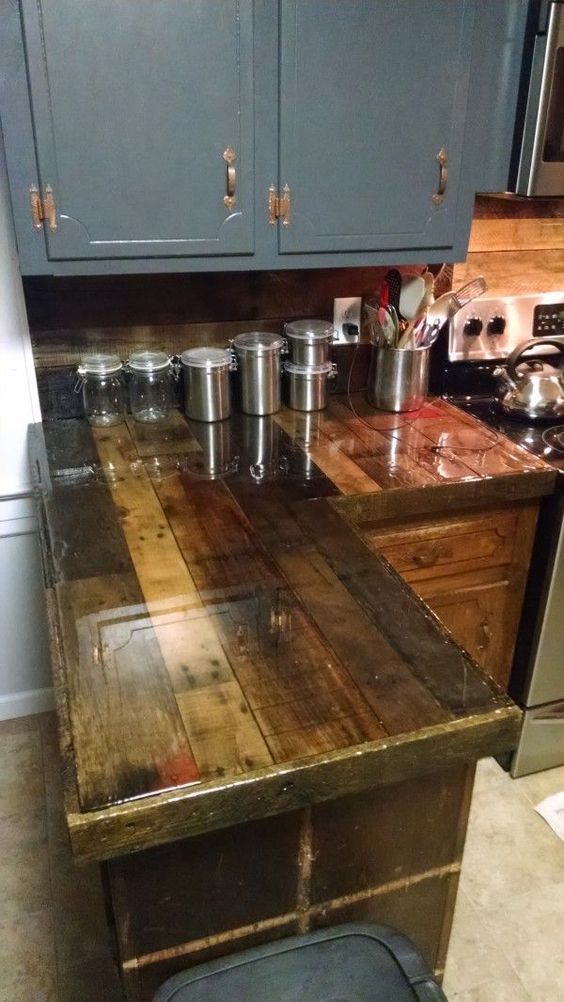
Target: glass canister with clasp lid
(100, 378)
(151, 385)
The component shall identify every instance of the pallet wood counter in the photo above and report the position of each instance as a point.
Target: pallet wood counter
(263, 729)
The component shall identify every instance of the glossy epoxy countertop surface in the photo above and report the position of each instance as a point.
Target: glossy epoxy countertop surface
(229, 648)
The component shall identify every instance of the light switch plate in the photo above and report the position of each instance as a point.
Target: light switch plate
(346, 311)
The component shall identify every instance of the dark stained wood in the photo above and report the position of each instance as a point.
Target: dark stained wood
(391, 854)
(143, 300)
(107, 633)
(281, 646)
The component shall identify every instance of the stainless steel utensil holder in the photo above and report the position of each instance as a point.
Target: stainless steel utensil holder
(398, 378)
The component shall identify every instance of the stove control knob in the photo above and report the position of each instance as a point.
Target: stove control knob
(496, 325)
(473, 327)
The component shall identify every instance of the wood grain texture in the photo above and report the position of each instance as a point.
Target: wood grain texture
(280, 660)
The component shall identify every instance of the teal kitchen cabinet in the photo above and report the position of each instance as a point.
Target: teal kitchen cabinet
(179, 135)
(372, 112)
(143, 122)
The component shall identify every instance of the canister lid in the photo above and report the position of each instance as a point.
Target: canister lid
(99, 364)
(309, 370)
(148, 361)
(258, 342)
(309, 330)
(206, 358)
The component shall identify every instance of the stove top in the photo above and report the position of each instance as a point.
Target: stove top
(541, 438)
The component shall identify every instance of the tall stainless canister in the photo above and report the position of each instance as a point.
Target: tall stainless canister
(309, 341)
(398, 378)
(206, 383)
(258, 364)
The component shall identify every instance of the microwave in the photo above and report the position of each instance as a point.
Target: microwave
(538, 153)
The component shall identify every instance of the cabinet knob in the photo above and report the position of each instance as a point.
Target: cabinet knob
(427, 557)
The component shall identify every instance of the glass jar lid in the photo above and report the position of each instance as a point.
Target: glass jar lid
(258, 342)
(148, 361)
(309, 370)
(99, 364)
(206, 358)
(309, 330)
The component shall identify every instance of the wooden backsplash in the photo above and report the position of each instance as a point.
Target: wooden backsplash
(69, 316)
(517, 244)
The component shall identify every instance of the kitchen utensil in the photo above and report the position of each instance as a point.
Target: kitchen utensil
(309, 341)
(393, 281)
(388, 325)
(412, 294)
(461, 297)
(308, 385)
(536, 394)
(206, 383)
(258, 363)
(398, 378)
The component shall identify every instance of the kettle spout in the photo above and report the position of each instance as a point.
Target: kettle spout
(507, 383)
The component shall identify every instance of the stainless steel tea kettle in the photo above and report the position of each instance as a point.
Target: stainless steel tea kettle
(536, 393)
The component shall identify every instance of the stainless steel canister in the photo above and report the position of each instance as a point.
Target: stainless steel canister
(206, 383)
(307, 385)
(258, 364)
(398, 379)
(309, 341)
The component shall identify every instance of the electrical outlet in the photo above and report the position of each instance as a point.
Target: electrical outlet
(346, 317)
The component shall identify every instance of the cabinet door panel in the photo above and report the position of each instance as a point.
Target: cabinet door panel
(134, 105)
(482, 621)
(370, 91)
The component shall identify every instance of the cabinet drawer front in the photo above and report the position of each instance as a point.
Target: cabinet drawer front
(449, 548)
(134, 105)
(358, 143)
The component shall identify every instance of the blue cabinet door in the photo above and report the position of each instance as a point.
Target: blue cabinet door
(134, 105)
(371, 94)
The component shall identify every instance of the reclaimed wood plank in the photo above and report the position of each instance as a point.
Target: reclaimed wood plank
(191, 650)
(127, 733)
(267, 635)
(407, 625)
(162, 438)
(331, 457)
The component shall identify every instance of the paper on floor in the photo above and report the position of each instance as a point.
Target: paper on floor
(552, 810)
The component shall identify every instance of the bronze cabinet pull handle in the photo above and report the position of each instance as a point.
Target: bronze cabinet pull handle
(442, 159)
(230, 156)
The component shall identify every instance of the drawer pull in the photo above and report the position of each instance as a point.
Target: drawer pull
(428, 557)
(486, 636)
(230, 156)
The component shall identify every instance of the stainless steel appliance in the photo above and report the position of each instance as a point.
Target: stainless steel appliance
(480, 336)
(538, 162)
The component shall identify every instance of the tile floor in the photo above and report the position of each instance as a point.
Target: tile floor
(508, 937)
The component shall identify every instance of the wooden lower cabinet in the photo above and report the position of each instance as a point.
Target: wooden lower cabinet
(471, 570)
(390, 855)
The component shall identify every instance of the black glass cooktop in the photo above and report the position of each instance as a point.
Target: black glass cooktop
(541, 438)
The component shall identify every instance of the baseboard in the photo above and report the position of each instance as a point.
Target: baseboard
(24, 704)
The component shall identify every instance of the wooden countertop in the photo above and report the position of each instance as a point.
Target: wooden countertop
(229, 648)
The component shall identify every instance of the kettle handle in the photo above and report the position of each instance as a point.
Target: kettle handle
(535, 342)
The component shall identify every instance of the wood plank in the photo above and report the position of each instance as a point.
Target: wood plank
(413, 446)
(164, 437)
(127, 734)
(329, 456)
(271, 644)
(192, 655)
(388, 601)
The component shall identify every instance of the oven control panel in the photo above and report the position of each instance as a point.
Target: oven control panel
(548, 320)
(490, 328)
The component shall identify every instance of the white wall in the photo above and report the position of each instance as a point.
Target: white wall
(25, 677)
